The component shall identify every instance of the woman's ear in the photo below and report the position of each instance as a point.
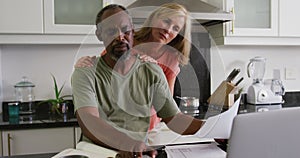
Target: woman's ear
(98, 34)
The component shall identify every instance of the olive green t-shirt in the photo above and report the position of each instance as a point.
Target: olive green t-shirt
(124, 100)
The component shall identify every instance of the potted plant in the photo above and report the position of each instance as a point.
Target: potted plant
(58, 104)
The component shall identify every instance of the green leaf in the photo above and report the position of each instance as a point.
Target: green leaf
(55, 87)
(58, 99)
(60, 90)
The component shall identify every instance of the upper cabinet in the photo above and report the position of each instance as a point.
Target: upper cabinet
(71, 16)
(289, 25)
(49, 21)
(15, 17)
(256, 22)
(254, 18)
(259, 22)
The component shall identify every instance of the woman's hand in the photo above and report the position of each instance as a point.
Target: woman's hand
(85, 61)
(146, 58)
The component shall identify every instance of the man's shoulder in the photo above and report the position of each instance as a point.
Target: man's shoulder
(85, 71)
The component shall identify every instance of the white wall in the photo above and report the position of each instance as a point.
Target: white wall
(123, 2)
(278, 57)
(1, 92)
(37, 62)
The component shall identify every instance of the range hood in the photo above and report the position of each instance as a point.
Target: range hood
(202, 12)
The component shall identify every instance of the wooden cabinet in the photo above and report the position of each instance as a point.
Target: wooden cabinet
(32, 141)
(19, 16)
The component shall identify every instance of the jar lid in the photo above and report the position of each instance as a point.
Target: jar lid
(13, 104)
(24, 83)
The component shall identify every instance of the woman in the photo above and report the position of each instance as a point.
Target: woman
(165, 37)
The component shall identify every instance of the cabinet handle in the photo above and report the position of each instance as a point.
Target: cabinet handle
(8, 144)
(232, 22)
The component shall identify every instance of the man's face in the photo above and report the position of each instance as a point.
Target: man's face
(116, 32)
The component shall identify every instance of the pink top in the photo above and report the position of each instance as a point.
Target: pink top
(170, 66)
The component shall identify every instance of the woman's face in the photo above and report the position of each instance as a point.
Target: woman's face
(165, 29)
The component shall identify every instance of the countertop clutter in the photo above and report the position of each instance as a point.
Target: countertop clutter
(36, 134)
(42, 118)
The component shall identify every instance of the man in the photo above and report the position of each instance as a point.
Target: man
(113, 99)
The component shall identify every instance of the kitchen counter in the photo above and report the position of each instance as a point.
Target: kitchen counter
(40, 119)
(50, 122)
(48, 155)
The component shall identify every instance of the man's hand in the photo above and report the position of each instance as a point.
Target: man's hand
(137, 151)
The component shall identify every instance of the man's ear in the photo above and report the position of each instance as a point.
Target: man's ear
(98, 34)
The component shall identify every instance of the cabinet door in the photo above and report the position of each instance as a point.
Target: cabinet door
(71, 16)
(1, 145)
(289, 23)
(50, 140)
(254, 18)
(77, 134)
(19, 16)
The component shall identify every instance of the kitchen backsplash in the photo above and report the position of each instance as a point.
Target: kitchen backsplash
(38, 62)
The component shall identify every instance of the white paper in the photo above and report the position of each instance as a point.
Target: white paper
(195, 151)
(70, 151)
(162, 135)
(219, 126)
(87, 149)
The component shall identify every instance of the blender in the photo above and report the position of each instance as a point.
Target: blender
(263, 95)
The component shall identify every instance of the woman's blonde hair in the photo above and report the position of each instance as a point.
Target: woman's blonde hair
(182, 41)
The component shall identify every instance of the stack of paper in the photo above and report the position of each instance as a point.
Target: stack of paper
(195, 151)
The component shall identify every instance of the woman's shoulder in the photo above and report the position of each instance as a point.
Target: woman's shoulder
(169, 58)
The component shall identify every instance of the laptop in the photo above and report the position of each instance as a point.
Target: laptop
(271, 134)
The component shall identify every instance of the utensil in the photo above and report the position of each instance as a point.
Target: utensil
(239, 81)
(232, 75)
(228, 79)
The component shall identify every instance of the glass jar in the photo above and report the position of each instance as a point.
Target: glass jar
(25, 95)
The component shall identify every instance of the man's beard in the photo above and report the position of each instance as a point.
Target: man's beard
(120, 55)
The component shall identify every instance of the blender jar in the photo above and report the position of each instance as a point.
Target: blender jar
(25, 95)
(256, 69)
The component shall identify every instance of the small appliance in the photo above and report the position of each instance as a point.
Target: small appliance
(263, 95)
